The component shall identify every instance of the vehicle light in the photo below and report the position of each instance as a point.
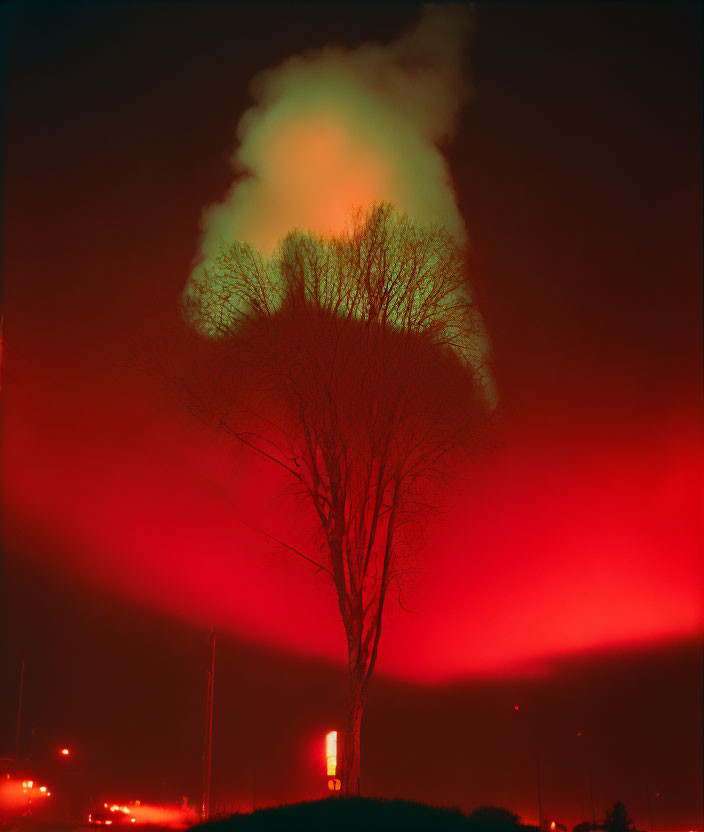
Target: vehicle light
(42, 788)
(108, 822)
(133, 820)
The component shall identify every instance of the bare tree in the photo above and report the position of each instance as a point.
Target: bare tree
(354, 363)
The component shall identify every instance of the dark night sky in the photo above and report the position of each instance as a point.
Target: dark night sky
(568, 578)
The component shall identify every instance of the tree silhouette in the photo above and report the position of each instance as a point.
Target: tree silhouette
(617, 819)
(355, 364)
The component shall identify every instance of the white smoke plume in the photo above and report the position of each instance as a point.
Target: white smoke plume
(337, 129)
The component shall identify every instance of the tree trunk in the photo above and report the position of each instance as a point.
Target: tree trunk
(352, 759)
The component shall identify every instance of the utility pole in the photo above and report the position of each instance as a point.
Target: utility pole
(591, 798)
(540, 789)
(588, 769)
(254, 785)
(208, 738)
(19, 714)
(650, 807)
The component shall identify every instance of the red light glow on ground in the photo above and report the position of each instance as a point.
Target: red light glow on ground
(164, 816)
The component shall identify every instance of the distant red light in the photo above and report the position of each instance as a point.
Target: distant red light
(515, 707)
(65, 752)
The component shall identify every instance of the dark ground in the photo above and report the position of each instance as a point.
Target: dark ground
(355, 813)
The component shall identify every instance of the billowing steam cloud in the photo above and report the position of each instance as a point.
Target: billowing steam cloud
(336, 130)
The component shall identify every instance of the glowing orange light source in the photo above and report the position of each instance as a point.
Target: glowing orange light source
(552, 824)
(331, 755)
(65, 752)
(334, 784)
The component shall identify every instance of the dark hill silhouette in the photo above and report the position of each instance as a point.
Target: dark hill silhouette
(354, 814)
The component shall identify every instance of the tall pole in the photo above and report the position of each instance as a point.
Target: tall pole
(650, 807)
(19, 713)
(254, 785)
(591, 797)
(208, 744)
(588, 765)
(540, 789)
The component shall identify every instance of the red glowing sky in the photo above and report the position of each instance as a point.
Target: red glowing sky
(580, 532)
(588, 548)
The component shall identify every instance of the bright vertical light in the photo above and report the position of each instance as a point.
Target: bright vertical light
(331, 752)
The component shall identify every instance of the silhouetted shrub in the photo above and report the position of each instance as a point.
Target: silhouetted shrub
(617, 819)
(493, 817)
(587, 826)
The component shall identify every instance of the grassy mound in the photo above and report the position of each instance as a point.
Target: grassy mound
(347, 814)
